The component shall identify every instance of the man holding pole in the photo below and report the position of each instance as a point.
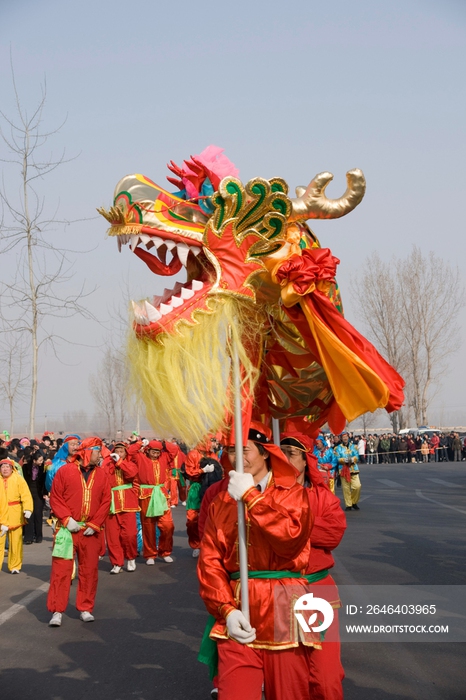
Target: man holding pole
(279, 523)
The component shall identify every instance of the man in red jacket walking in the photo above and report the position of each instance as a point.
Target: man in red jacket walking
(80, 499)
(120, 526)
(325, 670)
(152, 480)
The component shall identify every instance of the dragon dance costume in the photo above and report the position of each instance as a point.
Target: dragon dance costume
(257, 280)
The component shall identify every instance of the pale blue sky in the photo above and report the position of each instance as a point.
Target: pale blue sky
(288, 89)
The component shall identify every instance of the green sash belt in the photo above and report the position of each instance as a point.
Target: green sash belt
(194, 497)
(63, 545)
(179, 473)
(208, 653)
(310, 578)
(158, 503)
(123, 487)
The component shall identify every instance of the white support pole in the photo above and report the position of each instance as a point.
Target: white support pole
(242, 544)
(276, 431)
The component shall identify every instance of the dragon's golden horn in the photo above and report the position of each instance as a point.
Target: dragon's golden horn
(114, 215)
(311, 202)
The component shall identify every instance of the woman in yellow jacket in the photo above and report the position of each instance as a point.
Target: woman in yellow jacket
(19, 505)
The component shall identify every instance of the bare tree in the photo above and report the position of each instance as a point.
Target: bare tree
(13, 377)
(380, 307)
(432, 297)
(410, 307)
(109, 388)
(36, 289)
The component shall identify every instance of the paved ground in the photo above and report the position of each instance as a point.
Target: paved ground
(143, 644)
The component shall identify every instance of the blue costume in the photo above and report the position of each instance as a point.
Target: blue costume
(347, 454)
(58, 461)
(348, 458)
(328, 457)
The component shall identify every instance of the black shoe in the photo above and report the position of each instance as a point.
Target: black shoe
(355, 507)
(348, 508)
(39, 540)
(27, 542)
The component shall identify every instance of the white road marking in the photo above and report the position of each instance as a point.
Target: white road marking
(421, 495)
(24, 602)
(444, 483)
(391, 484)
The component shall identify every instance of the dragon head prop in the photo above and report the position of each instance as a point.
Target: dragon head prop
(255, 274)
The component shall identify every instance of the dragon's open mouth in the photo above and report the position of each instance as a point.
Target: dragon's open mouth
(178, 303)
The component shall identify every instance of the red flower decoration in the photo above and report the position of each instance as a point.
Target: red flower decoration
(313, 266)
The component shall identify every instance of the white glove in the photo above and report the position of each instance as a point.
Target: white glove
(73, 526)
(89, 531)
(145, 442)
(27, 514)
(3, 530)
(239, 628)
(115, 457)
(239, 484)
(208, 469)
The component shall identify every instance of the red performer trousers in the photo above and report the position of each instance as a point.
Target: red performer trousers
(177, 492)
(87, 551)
(325, 670)
(173, 485)
(167, 528)
(242, 670)
(103, 543)
(121, 532)
(192, 528)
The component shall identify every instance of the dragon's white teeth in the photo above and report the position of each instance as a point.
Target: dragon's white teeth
(195, 250)
(134, 242)
(144, 238)
(165, 309)
(197, 285)
(186, 293)
(139, 314)
(170, 245)
(118, 240)
(183, 252)
(176, 301)
(152, 314)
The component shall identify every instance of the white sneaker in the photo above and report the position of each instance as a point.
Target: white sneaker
(172, 506)
(183, 503)
(195, 553)
(116, 570)
(168, 559)
(55, 620)
(15, 571)
(131, 565)
(86, 616)
(150, 562)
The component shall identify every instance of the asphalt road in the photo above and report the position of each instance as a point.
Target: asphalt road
(144, 641)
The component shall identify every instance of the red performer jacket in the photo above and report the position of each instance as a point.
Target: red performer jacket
(177, 457)
(193, 460)
(85, 501)
(329, 527)
(121, 473)
(150, 471)
(279, 523)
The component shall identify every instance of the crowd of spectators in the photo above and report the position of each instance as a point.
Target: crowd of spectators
(389, 448)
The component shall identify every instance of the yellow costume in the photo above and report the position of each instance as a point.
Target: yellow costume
(19, 499)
